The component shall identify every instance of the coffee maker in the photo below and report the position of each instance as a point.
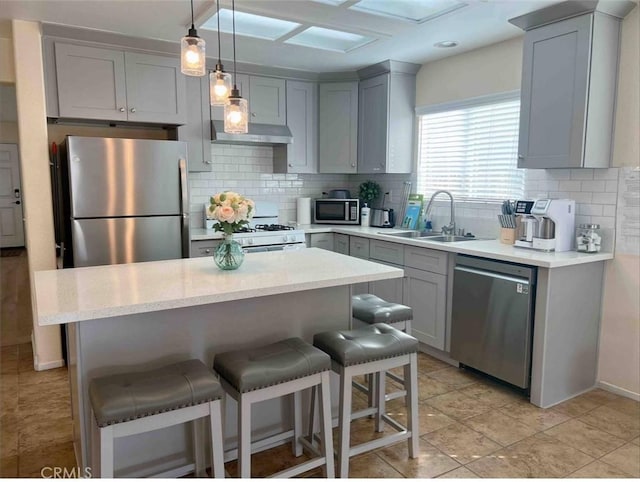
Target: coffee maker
(546, 224)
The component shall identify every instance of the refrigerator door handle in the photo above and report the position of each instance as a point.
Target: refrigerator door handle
(184, 197)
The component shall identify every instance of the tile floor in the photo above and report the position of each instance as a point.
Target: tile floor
(470, 427)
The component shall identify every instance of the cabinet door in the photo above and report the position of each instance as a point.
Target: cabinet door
(338, 128)
(359, 247)
(341, 243)
(426, 293)
(155, 89)
(302, 119)
(322, 240)
(373, 122)
(197, 130)
(390, 290)
(268, 100)
(91, 82)
(242, 81)
(554, 94)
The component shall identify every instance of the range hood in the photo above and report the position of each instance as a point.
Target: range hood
(259, 134)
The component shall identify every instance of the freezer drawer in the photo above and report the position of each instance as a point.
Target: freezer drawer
(491, 323)
(125, 240)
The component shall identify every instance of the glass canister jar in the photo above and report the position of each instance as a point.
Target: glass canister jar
(588, 238)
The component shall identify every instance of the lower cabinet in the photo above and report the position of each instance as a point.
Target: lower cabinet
(389, 289)
(341, 243)
(426, 293)
(200, 249)
(320, 240)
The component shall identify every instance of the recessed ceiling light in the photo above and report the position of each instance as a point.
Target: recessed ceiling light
(446, 44)
(250, 25)
(327, 39)
(417, 11)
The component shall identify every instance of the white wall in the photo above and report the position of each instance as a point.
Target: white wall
(7, 72)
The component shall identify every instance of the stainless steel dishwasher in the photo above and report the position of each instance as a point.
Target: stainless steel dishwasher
(492, 317)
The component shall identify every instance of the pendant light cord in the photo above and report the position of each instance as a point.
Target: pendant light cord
(192, 23)
(219, 47)
(233, 7)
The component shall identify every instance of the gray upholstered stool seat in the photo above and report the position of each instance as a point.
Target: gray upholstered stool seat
(284, 368)
(247, 370)
(124, 397)
(371, 309)
(371, 343)
(138, 402)
(372, 351)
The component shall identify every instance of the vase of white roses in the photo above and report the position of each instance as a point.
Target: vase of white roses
(232, 211)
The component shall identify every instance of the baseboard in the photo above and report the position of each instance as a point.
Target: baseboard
(47, 366)
(440, 355)
(619, 391)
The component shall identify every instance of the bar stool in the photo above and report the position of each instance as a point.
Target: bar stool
(283, 368)
(371, 309)
(372, 349)
(134, 403)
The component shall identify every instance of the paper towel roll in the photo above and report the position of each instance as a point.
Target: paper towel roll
(304, 210)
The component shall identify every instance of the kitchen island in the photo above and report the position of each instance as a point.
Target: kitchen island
(144, 315)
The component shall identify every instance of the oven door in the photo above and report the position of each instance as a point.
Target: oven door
(275, 247)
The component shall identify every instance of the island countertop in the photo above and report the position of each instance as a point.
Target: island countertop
(79, 294)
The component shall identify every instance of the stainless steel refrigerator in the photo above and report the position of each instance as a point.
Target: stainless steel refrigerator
(122, 201)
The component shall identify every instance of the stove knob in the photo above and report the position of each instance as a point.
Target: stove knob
(250, 241)
(292, 239)
(284, 238)
(241, 241)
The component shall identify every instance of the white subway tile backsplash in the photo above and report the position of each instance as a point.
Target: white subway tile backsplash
(605, 198)
(582, 174)
(589, 209)
(609, 211)
(611, 186)
(570, 186)
(606, 174)
(593, 186)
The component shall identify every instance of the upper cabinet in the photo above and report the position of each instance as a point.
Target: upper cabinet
(338, 128)
(196, 132)
(569, 79)
(386, 123)
(268, 100)
(106, 84)
(301, 156)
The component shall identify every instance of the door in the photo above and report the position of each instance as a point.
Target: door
(11, 225)
(91, 82)
(341, 243)
(302, 115)
(373, 129)
(555, 79)
(338, 129)
(156, 89)
(426, 293)
(268, 101)
(124, 177)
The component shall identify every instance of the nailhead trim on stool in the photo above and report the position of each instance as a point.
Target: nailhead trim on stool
(373, 349)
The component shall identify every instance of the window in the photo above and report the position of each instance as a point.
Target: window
(471, 149)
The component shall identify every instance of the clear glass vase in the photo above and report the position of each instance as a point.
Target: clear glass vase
(229, 254)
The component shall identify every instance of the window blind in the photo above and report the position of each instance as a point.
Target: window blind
(471, 151)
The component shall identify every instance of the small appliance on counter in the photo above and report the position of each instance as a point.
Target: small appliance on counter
(546, 224)
(382, 218)
(336, 211)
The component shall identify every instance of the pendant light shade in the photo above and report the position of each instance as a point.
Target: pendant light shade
(236, 110)
(220, 82)
(192, 52)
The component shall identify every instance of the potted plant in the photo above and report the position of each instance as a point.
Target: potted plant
(369, 192)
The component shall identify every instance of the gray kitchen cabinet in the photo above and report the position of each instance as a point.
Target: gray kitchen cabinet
(242, 81)
(91, 82)
(203, 248)
(338, 128)
(390, 290)
(569, 78)
(341, 243)
(359, 247)
(108, 84)
(321, 240)
(197, 130)
(386, 123)
(268, 100)
(301, 156)
(426, 293)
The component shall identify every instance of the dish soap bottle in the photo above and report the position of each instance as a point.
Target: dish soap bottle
(365, 215)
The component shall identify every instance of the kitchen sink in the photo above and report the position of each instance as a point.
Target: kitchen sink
(412, 234)
(451, 238)
(439, 237)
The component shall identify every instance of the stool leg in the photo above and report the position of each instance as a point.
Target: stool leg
(198, 447)
(380, 378)
(312, 415)
(344, 422)
(244, 437)
(371, 394)
(411, 385)
(106, 452)
(217, 439)
(95, 446)
(296, 445)
(325, 424)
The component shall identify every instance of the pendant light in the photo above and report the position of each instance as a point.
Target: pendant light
(192, 52)
(219, 81)
(236, 110)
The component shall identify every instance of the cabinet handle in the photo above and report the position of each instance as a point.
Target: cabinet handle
(520, 156)
(253, 114)
(207, 251)
(121, 109)
(290, 165)
(353, 165)
(133, 109)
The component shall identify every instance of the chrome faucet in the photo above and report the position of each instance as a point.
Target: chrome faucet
(451, 227)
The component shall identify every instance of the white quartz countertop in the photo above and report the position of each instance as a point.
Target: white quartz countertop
(79, 294)
(492, 249)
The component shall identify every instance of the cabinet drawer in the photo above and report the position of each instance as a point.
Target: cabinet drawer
(200, 249)
(341, 243)
(359, 247)
(385, 251)
(321, 240)
(425, 259)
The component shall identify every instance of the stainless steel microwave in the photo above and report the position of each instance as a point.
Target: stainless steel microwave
(337, 211)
